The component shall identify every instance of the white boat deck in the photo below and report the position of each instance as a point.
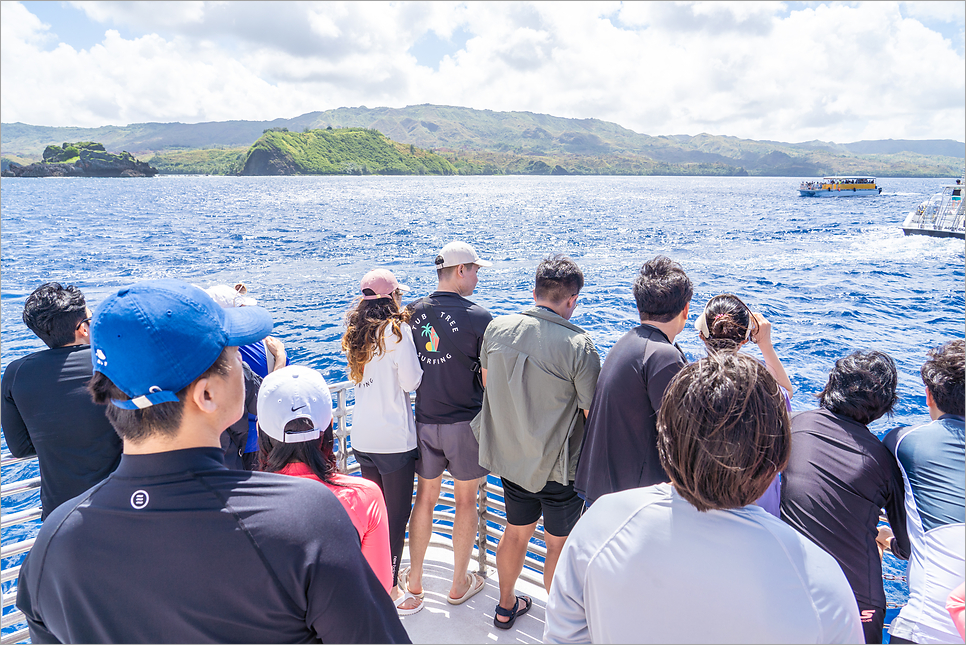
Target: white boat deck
(471, 622)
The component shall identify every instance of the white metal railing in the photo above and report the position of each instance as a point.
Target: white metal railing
(491, 514)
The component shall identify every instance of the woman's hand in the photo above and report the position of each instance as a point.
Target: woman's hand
(763, 335)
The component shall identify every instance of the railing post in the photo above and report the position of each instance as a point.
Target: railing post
(481, 529)
(342, 431)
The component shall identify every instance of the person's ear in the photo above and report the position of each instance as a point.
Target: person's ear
(200, 394)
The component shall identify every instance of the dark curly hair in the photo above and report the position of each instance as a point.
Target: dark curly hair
(942, 374)
(723, 431)
(662, 290)
(558, 278)
(861, 386)
(53, 312)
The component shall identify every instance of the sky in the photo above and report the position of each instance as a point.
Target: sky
(783, 71)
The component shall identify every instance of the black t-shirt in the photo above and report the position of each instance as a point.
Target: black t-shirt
(838, 479)
(449, 391)
(620, 442)
(47, 411)
(175, 548)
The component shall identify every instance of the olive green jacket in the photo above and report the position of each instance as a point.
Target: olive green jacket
(541, 374)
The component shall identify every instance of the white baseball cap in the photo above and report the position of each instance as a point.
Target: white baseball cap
(294, 392)
(228, 297)
(456, 253)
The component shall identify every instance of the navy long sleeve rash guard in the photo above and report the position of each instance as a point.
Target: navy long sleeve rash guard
(47, 411)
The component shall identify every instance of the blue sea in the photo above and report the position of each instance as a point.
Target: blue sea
(832, 275)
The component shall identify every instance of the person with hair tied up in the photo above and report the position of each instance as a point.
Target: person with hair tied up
(726, 325)
(931, 458)
(384, 367)
(694, 560)
(45, 406)
(295, 438)
(840, 476)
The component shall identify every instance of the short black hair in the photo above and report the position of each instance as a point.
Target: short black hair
(942, 375)
(662, 290)
(558, 278)
(861, 386)
(160, 419)
(723, 431)
(53, 312)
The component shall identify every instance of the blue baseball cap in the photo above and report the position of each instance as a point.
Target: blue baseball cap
(154, 338)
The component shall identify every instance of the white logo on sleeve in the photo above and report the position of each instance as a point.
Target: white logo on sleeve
(139, 499)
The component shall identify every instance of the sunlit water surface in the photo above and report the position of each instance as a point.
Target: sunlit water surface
(832, 275)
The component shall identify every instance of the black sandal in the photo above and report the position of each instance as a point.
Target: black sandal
(512, 615)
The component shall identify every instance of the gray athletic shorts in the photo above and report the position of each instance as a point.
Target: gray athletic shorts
(448, 446)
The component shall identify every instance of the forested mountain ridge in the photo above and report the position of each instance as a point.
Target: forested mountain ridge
(484, 141)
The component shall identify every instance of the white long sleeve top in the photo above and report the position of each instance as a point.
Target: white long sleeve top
(645, 566)
(382, 420)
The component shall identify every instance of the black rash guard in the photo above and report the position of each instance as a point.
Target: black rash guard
(173, 547)
(839, 478)
(47, 411)
(449, 392)
(620, 440)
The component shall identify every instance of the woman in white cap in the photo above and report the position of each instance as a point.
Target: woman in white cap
(726, 325)
(384, 366)
(295, 438)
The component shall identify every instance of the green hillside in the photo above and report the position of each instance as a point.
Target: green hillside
(210, 161)
(356, 151)
(484, 141)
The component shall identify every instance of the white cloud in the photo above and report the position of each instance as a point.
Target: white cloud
(837, 72)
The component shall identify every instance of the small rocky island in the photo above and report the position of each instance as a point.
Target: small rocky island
(82, 159)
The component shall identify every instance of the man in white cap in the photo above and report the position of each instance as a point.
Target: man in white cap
(174, 547)
(448, 331)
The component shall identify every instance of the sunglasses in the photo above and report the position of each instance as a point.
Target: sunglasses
(86, 320)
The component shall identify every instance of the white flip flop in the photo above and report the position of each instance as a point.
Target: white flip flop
(471, 591)
(403, 598)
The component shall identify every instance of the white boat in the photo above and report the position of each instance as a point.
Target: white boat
(941, 215)
(840, 187)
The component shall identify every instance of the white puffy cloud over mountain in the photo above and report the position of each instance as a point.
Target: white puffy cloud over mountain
(761, 70)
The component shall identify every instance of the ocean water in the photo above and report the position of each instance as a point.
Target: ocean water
(832, 275)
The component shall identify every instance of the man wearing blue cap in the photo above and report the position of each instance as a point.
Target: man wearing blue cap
(174, 547)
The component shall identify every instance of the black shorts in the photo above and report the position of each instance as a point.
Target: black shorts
(560, 506)
(388, 462)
